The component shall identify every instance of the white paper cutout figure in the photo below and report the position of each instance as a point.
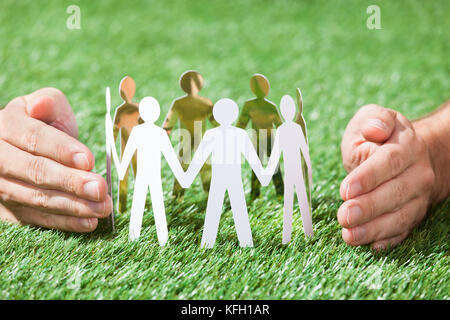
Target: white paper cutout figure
(290, 141)
(150, 141)
(225, 144)
(109, 220)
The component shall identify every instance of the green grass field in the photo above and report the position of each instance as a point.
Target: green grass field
(323, 47)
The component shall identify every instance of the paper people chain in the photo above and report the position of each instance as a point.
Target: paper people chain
(224, 144)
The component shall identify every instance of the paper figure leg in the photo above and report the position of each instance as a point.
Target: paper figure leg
(240, 215)
(123, 185)
(213, 212)
(159, 212)
(123, 193)
(304, 208)
(287, 215)
(307, 184)
(137, 208)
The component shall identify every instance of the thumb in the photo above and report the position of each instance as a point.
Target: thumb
(49, 105)
(378, 124)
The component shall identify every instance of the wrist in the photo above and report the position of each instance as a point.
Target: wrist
(435, 132)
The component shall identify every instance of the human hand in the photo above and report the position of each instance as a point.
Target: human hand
(388, 188)
(44, 169)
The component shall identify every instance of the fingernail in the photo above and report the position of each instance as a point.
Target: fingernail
(98, 207)
(80, 161)
(377, 123)
(354, 215)
(353, 189)
(358, 233)
(86, 223)
(91, 189)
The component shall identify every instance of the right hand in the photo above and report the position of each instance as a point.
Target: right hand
(390, 180)
(44, 169)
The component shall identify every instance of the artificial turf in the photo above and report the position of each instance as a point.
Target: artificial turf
(322, 47)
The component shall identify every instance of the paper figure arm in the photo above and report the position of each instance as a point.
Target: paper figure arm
(255, 163)
(171, 119)
(277, 119)
(244, 117)
(305, 151)
(172, 159)
(200, 157)
(274, 157)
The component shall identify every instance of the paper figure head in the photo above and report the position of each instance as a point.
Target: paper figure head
(127, 88)
(259, 85)
(149, 109)
(225, 111)
(191, 82)
(287, 108)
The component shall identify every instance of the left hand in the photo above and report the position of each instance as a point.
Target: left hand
(387, 190)
(45, 176)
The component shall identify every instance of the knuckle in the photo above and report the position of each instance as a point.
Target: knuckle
(31, 139)
(54, 92)
(71, 183)
(360, 154)
(72, 206)
(403, 221)
(421, 147)
(370, 107)
(40, 199)
(36, 171)
(428, 178)
(5, 195)
(400, 192)
(371, 207)
(60, 152)
(395, 161)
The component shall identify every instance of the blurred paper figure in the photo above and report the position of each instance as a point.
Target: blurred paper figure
(191, 111)
(126, 118)
(264, 116)
(301, 121)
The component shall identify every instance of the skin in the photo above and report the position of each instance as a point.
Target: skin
(396, 170)
(45, 177)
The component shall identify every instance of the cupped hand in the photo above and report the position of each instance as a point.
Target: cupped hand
(387, 190)
(45, 176)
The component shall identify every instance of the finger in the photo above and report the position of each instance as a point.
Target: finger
(391, 159)
(387, 225)
(389, 243)
(40, 139)
(52, 107)
(48, 174)
(31, 216)
(371, 126)
(388, 197)
(52, 201)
